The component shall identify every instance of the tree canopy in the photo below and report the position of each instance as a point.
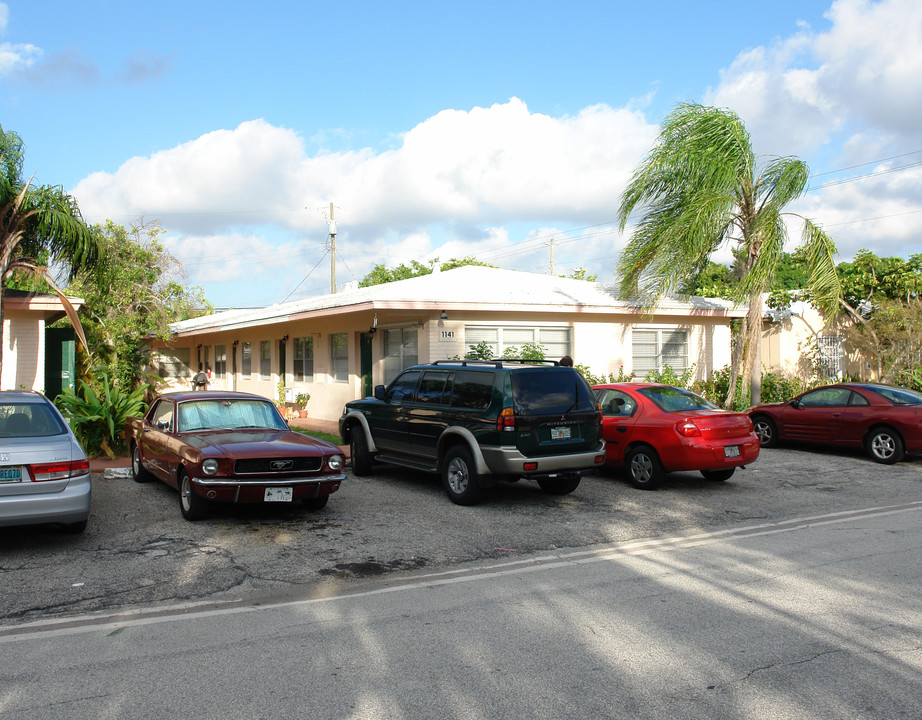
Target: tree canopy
(381, 274)
(133, 294)
(701, 188)
(41, 229)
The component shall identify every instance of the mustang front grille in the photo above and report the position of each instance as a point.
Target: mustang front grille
(269, 466)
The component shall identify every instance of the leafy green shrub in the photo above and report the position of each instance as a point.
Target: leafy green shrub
(668, 376)
(480, 351)
(98, 419)
(604, 379)
(777, 388)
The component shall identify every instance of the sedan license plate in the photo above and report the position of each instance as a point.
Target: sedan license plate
(11, 474)
(560, 433)
(278, 494)
(732, 451)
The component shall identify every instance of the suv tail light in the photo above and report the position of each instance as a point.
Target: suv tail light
(59, 470)
(506, 420)
(687, 428)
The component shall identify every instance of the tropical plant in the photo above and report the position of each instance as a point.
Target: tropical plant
(39, 222)
(481, 351)
(668, 376)
(702, 187)
(302, 399)
(528, 351)
(131, 296)
(603, 379)
(98, 418)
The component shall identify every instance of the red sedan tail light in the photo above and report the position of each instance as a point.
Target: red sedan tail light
(687, 428)
(59, 470)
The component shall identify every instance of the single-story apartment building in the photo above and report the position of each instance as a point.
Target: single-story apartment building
(36, 357)
(337, 347)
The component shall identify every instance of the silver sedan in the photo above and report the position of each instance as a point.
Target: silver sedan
(44, 473)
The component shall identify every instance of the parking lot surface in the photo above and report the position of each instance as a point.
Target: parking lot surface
(138, 552)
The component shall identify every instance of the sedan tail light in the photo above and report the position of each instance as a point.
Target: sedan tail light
(687, 428)
(59, 470)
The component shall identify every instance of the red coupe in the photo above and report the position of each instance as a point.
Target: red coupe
(217, 446)
(651, 429)
(886, 421)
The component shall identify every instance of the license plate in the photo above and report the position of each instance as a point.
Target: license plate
(278, 494)
(560, 433)
(732, 451)
(10, 474)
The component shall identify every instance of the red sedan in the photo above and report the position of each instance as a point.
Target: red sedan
(230, 447)
(886, 421)
(651, 429)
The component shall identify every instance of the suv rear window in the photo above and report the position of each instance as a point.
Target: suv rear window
(551, 392)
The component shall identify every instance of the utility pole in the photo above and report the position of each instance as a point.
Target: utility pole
(332, 252)
(552, 256)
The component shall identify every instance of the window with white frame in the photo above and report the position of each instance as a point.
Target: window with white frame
(401, 350)
(657, 349)
(265, 360)
(339, 357)
(220, 361)
(304, 359)
(502, 339)
(174, 363)
(246, 360)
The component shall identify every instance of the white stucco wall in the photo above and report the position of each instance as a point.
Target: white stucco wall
(23, 351)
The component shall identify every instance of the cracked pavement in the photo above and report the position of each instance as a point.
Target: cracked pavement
(139, 552)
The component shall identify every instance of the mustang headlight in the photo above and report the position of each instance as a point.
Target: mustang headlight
(335, 462)
(210, 466)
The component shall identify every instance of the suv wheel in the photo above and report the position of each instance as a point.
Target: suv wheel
(358, 450)
(459, 476)
(559, 485)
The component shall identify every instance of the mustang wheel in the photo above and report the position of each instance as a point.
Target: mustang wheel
(191, 505)
(644, 469)
(459, 476)
(137, 469)
(766, 431)
(885, 446)
(358, 449)
(718, 475)
(315, 503)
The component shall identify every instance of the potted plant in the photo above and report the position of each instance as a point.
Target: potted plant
(301, 401)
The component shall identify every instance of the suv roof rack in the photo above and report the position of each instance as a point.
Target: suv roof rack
(495, 362)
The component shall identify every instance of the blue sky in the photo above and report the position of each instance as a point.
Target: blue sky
(445, 129)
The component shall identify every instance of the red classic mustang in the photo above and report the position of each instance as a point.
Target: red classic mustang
(230, 447)
(651, 429)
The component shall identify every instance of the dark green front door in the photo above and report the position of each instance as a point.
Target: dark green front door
(366, 340)
(60, 353)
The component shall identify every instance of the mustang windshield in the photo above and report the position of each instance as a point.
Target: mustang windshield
(228, 415)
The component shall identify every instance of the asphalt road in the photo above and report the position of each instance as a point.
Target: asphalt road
(813, 618)
(138, 552)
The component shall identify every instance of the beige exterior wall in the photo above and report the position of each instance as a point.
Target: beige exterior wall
(601, 341)
(23, 351)
(789, 345)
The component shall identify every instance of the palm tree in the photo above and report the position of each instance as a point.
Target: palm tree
(700, 188)
(38, 222)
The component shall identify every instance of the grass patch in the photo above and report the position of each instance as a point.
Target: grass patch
(335, 439)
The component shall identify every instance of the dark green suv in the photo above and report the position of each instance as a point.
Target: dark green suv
(478, 421)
